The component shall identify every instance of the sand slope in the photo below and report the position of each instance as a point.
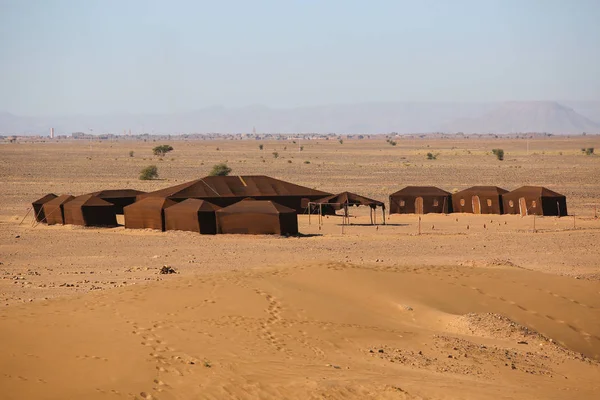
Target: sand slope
(329, 330)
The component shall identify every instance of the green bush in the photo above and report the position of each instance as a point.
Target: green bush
(306, 162)
(162, 150)
(275, 154)
(260, 146)
(499, 153)
(220, 169)
(148, 173)
(131, 153)
(589, 151)
(431, 156)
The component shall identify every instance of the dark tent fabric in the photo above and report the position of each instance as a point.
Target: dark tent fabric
(420, 200)
(192, 215)
(119, 197)
(479, 200)
(88, 210)
(224, 191)
(351, 199)
(38, 210)
(148, 213)
(257, 217)
(54, 209)
(530, 200)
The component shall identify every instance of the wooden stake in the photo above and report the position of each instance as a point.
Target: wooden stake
(419, 224)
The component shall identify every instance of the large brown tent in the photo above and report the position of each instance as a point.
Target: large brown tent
(38, 209)
(347, 199)
(478, 200)
(119, 197)
(258, 217)
(530, 200)
(227, 190)
(88, 210)
(148, 213)
(420, 200)
(54, 209)
(192, 215)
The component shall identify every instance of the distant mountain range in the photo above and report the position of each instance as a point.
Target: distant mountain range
(381, 117)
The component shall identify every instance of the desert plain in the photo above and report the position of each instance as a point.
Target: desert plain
(473, 307)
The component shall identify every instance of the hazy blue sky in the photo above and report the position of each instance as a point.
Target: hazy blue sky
(103, 56)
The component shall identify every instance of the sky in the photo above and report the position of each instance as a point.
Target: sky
(65, 57)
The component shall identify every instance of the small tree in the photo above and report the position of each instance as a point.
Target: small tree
(220, 169)
(131, 153)
(499, 153)
(148, 173)
(275, 154)
(260, 146)
(589, 151)
(162, 150)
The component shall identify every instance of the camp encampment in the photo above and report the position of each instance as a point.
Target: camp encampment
(420, 200)
(88, 210)
(478, 200)
(258, 217)
(148, 213)
(534, 200)
(192, 215)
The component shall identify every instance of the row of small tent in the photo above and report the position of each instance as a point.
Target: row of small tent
(195, 215)
(526, 200)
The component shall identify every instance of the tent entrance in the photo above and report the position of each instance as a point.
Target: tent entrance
(523, 206)
(476, 205)
(419, 205)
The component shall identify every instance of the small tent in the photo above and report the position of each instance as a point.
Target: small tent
(148, 213)
(54, 209)
(420, 200)
(38, 209)
(192, 215)
(478, 200)
(538, 200)
(347, 199)
(258, 217)
(119, 197)
(88, 210)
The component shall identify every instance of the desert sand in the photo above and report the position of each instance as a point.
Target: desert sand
(475, 307)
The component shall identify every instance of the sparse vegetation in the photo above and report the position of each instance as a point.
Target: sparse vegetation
(260, 146)
(301, 148)
(162, 150)
(499, 153)
(589, 151)
(306, 162)
(341, 141)
(431, 156)
(275, 154)
(289, 161)
(131, 153)
(220, 169)
(149, 173)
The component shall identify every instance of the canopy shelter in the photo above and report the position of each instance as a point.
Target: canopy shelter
(534, 200)
(224, 191)
(342, 201)
(88, 210)
(420, 200)
(119, 197)
(257, 217)
(192, 215)
(38, 209)
(148, 213)
(54, 209)
(479, 200)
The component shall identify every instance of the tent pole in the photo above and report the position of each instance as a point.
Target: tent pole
(383, 212)
(309, 207)
(28, 211)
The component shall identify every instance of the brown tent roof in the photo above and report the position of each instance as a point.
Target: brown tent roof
(421, 191)
(62, 199)
(116, 193)
(195, 205)
(235, 186)
(45, 199)
(147, 213)
(89, 200)
(256, 206)
(536, 191)
(351, 199)
(53, 209)
(484, 190)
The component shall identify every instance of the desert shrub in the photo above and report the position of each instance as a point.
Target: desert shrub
(306, 162)
(260, 146)
(289, 161)
(499, 153)
(392, 142)
(301, 148)
(131, 153)
(275, 154)
(589, 151)
(162, 150)
(220, 169)
(341, 141)
(148, 173)
(431, 156)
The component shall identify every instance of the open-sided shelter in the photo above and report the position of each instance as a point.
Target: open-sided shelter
(227, 190)
(192, 215)
(88, 210)
(534, 200)
(420, 200)
(478, 200)
(148, 213)
(257, 217)
(119, 197)
(54, 211)
(38, 209)
(347, 199)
